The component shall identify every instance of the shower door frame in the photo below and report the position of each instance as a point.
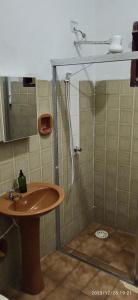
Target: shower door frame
(84, 61)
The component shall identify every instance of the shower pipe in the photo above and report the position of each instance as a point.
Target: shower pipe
(77, 43)
(128, 56)
(67, 95)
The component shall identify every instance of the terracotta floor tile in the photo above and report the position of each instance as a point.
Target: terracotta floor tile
(50, 284)
(66, 278)
(106, 253)
(102, 282)
(61, 268)
(124, 261)
(62, 293)
(130, 243)
(80, 276)
(84, 236)
(49, 260)
(90, 246)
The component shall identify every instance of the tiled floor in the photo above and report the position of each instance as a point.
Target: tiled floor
(67, 279)
(117, 251)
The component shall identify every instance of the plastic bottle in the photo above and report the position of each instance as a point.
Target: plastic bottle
(22, 182)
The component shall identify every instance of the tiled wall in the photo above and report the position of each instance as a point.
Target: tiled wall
(34, 157)
(106, 171)
(116, 153)
(77, 209)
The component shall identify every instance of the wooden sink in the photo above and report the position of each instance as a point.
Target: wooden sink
(40, 199)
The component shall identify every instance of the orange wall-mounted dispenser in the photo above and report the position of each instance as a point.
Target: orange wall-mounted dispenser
(45, 124)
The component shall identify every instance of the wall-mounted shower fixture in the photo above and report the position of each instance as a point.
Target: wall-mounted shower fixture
(77, 149)
(115, 43)
(80, 42)
(76, 30)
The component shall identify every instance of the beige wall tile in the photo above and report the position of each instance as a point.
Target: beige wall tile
(125, 131)
(34, 143)
(117, 151)
(5, 152)
(112, 143)
(99, 130)
(110, 182)
(100, 87)
(112, 115)
(136, 117)
(20, 147)
(44, 106)
(86, 87)
(123, 178)
(111, 157)
(34, 160)
(135, 159)
(45, 141)
(47, 175)
(113, 87)
(6, 171)
(135, 145)
(136, 101)
(22, 163)
(112, 129)
(111, 170)
(100, 101)
(99, 167)
(46, 156)
(124, 144)
(124, 158)
(100, 142)
(100, 115)
(126, 102)
(135, 132)
(99, 154)
(126, 117)
(43, 88)
(125, 88)
(113, 101)
(35, 176)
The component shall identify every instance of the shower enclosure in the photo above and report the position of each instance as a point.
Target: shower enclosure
(103, 195)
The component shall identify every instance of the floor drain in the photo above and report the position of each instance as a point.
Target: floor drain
(101, 234)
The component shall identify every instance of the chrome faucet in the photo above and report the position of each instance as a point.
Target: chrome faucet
(12, 195)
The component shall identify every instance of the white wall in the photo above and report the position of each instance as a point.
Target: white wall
(115, 17)
(33, 32)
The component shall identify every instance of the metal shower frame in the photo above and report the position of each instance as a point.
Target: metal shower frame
(80, 61)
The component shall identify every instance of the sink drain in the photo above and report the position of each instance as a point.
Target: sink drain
(101, 234)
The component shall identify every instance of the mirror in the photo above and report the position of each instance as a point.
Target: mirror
(18, 108)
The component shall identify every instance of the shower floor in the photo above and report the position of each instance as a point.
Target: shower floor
(115, 254)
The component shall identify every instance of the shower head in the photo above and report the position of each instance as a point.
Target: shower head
(116, 44)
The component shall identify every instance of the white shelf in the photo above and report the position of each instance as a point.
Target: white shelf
(96, 59)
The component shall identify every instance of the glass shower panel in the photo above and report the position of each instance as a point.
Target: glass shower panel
(103, 196)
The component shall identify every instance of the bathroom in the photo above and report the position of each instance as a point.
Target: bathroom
(89, 107)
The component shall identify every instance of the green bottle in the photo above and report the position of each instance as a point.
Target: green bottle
(22, 182)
